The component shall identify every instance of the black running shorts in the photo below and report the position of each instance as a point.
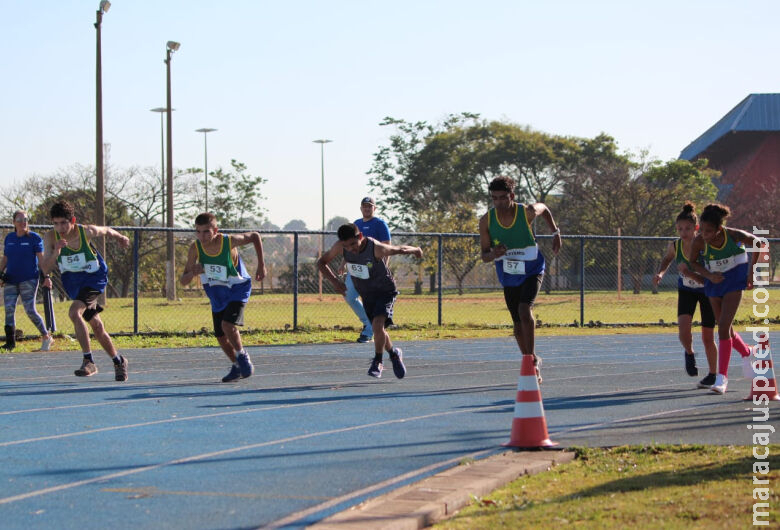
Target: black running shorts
(525, 293)
(89, 296)
(686, 305)
(233, 313)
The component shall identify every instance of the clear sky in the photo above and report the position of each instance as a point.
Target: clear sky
(272, 76)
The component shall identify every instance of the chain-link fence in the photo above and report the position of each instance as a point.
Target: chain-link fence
(593, 280)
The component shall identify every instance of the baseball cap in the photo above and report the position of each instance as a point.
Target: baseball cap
(369, 200)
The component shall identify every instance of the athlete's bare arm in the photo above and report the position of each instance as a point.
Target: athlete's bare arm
(192, 268)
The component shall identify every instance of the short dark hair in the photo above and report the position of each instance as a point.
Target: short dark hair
(502, 183)
(62, 209)
(715, 214)
(205, 218)
(348, 231)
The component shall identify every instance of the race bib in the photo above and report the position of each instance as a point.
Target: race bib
(73, 263)
(215, 272)
(522, 254)
(690, 282)
(357, 271)
(726, 264)
(512, 266)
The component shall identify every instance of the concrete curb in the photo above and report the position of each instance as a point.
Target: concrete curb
(423, 503)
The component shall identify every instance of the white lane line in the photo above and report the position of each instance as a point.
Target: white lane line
(204, 456)
(293, 517)
(166, 420)
(493, 387)
(162, 387)
(420, 362)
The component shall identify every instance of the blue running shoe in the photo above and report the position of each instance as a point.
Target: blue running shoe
(375, 370)
(245, 364)
(397, 358)
(233, 375)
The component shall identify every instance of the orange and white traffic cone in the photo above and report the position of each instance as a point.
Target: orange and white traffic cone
(763, 385)
(529, 427)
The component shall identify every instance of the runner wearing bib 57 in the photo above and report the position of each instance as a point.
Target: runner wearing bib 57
(506, 237)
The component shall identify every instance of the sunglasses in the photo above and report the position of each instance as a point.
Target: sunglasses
(21, 219)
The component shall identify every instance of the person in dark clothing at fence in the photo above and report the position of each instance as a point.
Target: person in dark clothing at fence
(22, 252)
(506, 237)
(690, 292)
(365, 262)
(227, 283)
(84, 276)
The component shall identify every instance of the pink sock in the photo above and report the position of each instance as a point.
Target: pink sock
(738, 344)
(724, 356)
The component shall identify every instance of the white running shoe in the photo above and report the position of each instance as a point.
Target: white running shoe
(47, 342)
(721, 382)
(747, 367)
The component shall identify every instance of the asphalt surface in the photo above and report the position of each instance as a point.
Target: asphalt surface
(310, 433)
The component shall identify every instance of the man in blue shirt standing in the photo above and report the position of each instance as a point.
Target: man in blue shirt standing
(376, 228)
(22, 250)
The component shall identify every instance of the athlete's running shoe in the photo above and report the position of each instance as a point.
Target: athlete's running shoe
(245, 364)
(120, 370)
(362, 339)
(375, 370)
(707, 382)
(747, 367)
(721, 382)
(46, 344)
(690, 364)
(397, 358)
(233, 375)
(87, 369)
(538, 368)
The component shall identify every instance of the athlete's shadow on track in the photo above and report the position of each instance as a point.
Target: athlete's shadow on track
(456, 439)
(612, 399)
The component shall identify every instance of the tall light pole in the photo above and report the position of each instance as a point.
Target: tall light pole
(322, 143)
(205, 132)
(100, 208)
(170, 270)
(161, 110)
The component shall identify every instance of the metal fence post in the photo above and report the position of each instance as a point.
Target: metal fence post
(582, 281)
(295, 281)
(136, 242)
(439, 260)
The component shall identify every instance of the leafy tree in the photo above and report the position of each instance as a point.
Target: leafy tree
(236, 199)
(459, 255)
(400, 179)
(642, 197)
(295, 225)
(434, 167)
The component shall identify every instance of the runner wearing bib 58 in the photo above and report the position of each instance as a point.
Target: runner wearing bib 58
(718, 254)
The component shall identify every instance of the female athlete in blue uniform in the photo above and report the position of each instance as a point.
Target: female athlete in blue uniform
(728, 271)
